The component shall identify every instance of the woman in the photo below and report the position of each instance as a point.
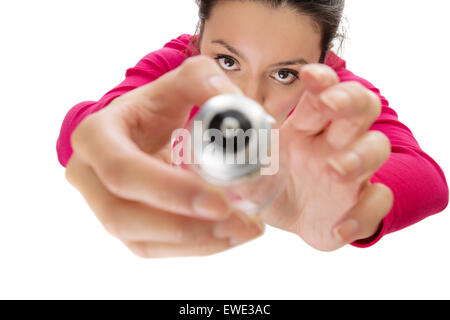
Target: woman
(351, 180)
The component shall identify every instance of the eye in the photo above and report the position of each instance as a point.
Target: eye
(226, 62)
(286, 77)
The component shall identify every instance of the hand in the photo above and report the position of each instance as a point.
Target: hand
(329, 200)
(121, 165)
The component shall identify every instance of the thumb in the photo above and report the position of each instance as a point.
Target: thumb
(171, 97)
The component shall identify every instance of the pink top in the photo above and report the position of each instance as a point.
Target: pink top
(418, 183)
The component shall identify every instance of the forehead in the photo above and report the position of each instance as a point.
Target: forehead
(257, 29)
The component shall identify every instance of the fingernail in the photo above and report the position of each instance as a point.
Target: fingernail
(234, 242)
(350, 161)
(217, 82)
(233, 225)
(242, 217)
(347, 230)
(251, 232)
(254, 233)
(318, 72)
(238, 230)
(211, 206)
(335, 99)
(223, 85)
(258, 223)
(218, 231)
(337, 167)
(345, 163)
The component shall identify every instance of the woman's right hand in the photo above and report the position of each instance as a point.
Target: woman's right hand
(121, 165)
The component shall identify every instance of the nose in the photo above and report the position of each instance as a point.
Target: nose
(253, 90)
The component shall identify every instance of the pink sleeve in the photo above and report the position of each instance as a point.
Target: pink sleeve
(148, 69)
(418, 183)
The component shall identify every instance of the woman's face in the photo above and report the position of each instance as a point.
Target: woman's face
(262, 50)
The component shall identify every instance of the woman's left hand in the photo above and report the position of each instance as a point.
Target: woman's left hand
(329, 200)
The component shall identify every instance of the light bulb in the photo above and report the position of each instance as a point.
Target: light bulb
(232, 143)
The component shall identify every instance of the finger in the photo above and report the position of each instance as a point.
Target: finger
(134, 175)
(318, 77)
(104, 141)
(133, 221)
(165, 250)
(362, 159)
(171, 97)
(234, 232)
(307, 118)
(364, 219)
(353, 108)
(239, 228)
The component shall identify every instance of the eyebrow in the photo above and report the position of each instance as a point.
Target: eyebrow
(279, 64)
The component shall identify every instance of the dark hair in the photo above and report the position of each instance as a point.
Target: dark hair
(326, 13)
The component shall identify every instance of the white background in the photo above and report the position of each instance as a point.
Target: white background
(55, 54)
